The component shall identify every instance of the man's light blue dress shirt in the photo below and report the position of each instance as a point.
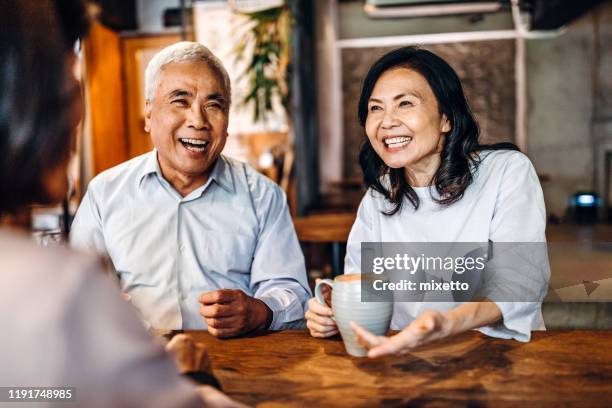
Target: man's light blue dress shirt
(233, 232)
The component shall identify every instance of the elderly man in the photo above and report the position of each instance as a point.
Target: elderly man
(197, 239)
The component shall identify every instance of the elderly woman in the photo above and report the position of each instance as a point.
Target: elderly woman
(64, 323)
(430, 180)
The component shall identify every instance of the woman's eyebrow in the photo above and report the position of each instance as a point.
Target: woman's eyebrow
(414, 93)
(398, 96)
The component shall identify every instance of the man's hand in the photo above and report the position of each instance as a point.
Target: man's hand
(229, 313)
(189, 356)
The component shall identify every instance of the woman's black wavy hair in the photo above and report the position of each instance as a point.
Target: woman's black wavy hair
(35, 129)
(458, 163)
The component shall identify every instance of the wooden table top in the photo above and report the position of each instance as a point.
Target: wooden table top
(290, 368)
(324, 227)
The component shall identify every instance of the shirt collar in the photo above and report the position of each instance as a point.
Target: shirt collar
(221, 173)
(150, 166)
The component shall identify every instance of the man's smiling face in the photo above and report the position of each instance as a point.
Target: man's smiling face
(188, 119)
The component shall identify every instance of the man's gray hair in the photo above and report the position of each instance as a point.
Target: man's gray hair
(184, 51)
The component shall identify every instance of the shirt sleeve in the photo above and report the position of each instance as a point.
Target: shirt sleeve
(86, 232)
(278, 271)
(518, 220)
(361, 231)
(113, 360)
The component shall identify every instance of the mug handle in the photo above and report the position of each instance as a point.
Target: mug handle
(318, 288)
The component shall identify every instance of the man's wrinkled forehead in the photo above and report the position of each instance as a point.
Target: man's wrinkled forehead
(190, 78)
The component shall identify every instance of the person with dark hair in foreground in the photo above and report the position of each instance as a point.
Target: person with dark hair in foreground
(430, 180)
(64, 323)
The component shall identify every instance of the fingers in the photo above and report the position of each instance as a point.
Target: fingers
(219, 296)
(428, 324)
(319, 309)
(379, 346)
(432, 318)
(216, 310)
(183, 348)
(319, 335)
(180, 345)
(320, 323)
(416, 334)
(387, 348)
(201, 358)
(319, 319)
(224, 323)
(366, 338)
(400, 343)
(318, 330)
(229, 323)
(223, 333)
(230, 313)
(424, 327)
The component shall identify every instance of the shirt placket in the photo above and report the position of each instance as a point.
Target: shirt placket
(181, 247)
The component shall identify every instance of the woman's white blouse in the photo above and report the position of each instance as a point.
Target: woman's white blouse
(503, 204)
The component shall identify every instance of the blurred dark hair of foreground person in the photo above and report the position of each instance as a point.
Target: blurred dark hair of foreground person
(64, 323)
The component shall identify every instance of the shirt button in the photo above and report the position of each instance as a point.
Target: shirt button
(181, 248)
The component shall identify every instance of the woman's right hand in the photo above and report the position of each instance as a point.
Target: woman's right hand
(319, 317)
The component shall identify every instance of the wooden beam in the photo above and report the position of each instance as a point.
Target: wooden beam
(104, 81)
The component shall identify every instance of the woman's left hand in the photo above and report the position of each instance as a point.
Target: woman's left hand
(428, 326)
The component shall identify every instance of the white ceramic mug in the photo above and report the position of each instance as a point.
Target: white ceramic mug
(347, 306)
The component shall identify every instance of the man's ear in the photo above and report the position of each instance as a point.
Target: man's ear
(147, 117)
(445, 125)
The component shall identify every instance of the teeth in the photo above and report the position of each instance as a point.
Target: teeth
(195, 149)
(195, 145)
(398, 141)
(195, 142)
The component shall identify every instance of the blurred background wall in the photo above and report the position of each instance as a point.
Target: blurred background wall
(570, 107)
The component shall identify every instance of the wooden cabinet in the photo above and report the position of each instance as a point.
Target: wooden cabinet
(136, 52)
(105, 105)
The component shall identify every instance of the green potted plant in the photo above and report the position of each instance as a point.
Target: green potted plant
(268, 71)
(268, 67)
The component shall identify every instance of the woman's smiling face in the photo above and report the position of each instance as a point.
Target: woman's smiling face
(404, 124)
